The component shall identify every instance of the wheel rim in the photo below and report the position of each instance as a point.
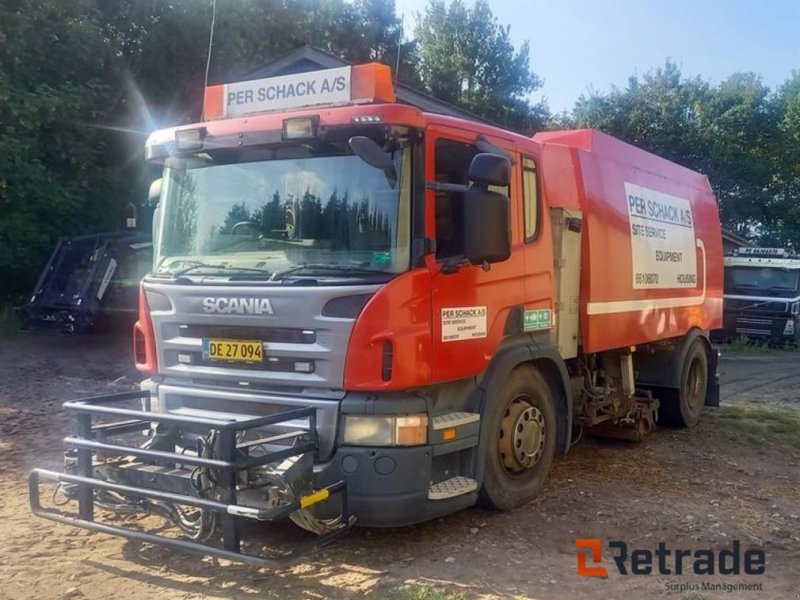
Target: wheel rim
(522, 436)
(695, 385)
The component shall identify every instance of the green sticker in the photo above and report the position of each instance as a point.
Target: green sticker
(381, 258)
(536, 319)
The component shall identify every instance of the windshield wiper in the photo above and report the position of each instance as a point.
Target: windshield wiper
(189, 269)
(349, 269)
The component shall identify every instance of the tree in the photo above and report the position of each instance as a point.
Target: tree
(466, 57)
(732, 132)
(54, 176)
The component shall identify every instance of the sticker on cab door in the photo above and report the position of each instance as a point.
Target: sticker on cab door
(463, 323)
(537, 319)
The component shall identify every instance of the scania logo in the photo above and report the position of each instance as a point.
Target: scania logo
(241, 306)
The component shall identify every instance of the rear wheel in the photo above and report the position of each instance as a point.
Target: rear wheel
(522, 440)
(682, 407)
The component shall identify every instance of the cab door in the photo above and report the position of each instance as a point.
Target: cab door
(470, 306)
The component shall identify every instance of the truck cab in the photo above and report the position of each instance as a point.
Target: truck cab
(762, 295)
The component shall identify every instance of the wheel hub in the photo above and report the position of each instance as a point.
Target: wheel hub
(522, 436)
(694, 386)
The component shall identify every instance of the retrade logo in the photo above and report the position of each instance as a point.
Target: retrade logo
(664, 560)
(241, 306)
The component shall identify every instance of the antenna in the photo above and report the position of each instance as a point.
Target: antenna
(211, 37)
(399, 46)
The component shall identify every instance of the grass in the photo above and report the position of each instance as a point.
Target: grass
(9, 322)
(756, 424)
(743, 345)
(422, 592)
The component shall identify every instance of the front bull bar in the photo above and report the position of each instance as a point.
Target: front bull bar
(226, 466)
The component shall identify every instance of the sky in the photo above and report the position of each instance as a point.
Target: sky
(583, 45)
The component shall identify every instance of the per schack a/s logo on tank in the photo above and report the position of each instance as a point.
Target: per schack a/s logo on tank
(662, 239)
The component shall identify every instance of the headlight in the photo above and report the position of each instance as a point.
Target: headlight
(788, 329)
(795, 308)
(385, 430)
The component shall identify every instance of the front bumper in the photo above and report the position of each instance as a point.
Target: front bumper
(371, 486)
(767, 327)
(390, 487)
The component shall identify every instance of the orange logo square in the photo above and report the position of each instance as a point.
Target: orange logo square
(596, 546)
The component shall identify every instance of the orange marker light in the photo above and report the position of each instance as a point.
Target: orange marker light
(449, 434)
(371, 83)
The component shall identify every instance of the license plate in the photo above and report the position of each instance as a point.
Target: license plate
(233, 350)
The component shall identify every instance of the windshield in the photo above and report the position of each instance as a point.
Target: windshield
(326, 212)
(762, 281)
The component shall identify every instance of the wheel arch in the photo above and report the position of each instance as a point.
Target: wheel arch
(536, 351)
(652, 374)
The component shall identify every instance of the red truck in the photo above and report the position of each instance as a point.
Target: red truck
(363, 313)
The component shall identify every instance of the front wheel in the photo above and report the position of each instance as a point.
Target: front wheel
(682, 407)
(521, 443)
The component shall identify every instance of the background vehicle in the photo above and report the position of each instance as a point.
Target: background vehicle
(363, 311)
(762, 295)
(90, 278)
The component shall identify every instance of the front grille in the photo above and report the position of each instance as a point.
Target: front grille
(762, 306)
(265, 334)
(754, 321)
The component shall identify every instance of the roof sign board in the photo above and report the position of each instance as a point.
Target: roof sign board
(775, 252)
(327, 87)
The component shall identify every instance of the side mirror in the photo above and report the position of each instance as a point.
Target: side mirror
(490, 169)
(487, 214)
(154, 193)
(487, 231)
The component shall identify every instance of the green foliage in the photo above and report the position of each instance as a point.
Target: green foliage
(423, 592)
(466, 57)
(740, 133)
(757, 424)
(743, 345)
(53, 175)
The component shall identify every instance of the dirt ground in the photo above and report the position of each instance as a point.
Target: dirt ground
(691, 489)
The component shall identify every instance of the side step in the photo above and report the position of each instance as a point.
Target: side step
(450, 488)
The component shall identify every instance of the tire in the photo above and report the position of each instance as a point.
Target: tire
(682, 407)
(525, 407)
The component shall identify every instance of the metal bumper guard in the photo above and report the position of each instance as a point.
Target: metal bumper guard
(92, 438)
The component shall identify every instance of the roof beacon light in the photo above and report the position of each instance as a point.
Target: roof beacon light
(358, 84)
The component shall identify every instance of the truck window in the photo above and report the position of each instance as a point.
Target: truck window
(531, 199)
(451, 162)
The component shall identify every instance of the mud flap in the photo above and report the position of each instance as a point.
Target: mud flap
(712, 396)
